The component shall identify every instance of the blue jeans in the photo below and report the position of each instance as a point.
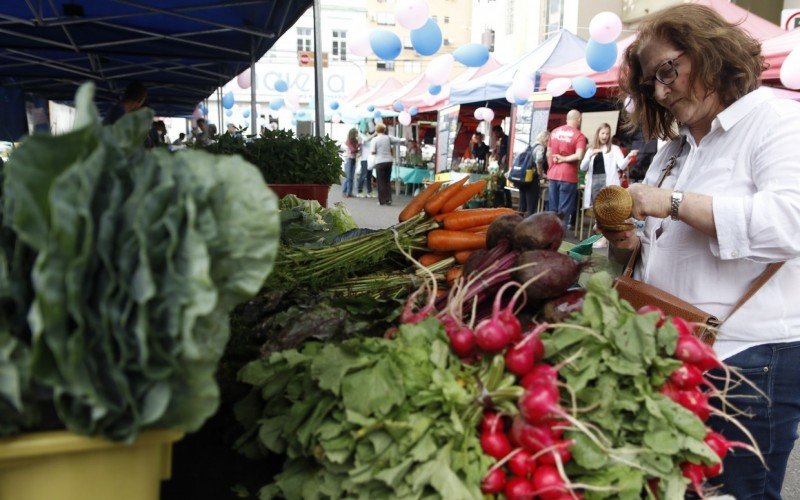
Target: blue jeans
(364, 176)
(562, 197)
(775, 370)
(350, 172)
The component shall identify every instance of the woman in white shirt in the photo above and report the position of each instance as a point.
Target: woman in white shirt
(381, 147)
(729, 208)
(602, 164)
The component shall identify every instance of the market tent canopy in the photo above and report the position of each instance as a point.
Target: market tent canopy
(443, 97)
(182, 50)
(362, 98)
(759, 28)
(775, 51)
(416, 86)
(559, 49)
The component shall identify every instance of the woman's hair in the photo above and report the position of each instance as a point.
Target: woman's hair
(380, 128)
(352, 135)
(725, 59)
(542, 137)
(596, 140)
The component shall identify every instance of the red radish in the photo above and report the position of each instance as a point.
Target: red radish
(653, 484)
(532, 438)
(548, 482)
(712, 470)
(495, 444)
(462, 342)
(540, 374)
(492, 422)
(653, 309)
(687, 377)
(408, 316)
(519, 488)
(694, 473)
(690, 349)
(521, 357)
(539, 404)
(695, 401)
(494, 482)
(562, 449)
(684, 327)
(495, 333)
(722, 446)
(522, 463)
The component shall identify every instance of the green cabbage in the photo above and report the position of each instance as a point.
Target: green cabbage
(140, 257)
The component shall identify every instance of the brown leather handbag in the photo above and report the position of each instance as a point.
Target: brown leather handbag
(640, 294)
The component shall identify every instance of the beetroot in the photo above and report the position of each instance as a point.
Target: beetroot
(502, 228)
(540, 231)
(474, 261)
(560, 272)
(560, 308)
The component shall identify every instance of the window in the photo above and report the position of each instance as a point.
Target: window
(412, 67)
(304, 39)
(446, 19)
(339, 47)
(446, 41)
(385, 66)
(385, 18)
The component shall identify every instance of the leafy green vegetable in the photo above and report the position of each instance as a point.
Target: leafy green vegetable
(367, 418)
(615, 376)
(140, 256)
(306, 223)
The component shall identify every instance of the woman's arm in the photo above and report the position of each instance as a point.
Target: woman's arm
(587, 160)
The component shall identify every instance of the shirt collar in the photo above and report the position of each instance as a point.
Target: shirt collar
(731, 115)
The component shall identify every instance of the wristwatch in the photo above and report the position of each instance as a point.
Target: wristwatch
(675, 202)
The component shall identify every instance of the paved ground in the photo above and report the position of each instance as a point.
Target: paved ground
(367, 213)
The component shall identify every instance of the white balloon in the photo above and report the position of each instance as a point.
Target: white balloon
(510, 95)
(557, 86)
(488, 115)
(404, 118)
(790, 70)
(478, 114)
(439, 69)
(523, 86)
(605, 27)
(358, 42)
(412, 14)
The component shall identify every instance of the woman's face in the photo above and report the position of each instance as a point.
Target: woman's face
(676, 96)
(604, 135)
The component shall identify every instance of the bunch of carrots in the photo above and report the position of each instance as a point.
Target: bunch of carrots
(463, 230)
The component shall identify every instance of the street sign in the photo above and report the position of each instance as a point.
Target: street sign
(305, 58)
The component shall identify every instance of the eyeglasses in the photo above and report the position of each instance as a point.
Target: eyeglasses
(666, 73)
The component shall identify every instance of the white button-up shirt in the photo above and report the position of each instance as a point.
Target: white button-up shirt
(750, 164)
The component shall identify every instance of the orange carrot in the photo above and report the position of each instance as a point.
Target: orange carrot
(416, 205)
(442, 240)
(463, 219)
(464, 195)
(431, 258)
(453, 274)
(477, 229)
(434, 205)
(463, 255)
(439, 217)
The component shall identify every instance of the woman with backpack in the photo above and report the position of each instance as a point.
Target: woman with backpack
(526, 172)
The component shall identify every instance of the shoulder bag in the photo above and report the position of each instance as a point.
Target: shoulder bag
(639, 294)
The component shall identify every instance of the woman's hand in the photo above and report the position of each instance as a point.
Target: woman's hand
(649, 201)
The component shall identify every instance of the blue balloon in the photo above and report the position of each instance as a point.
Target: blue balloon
(228, 101)
(385, 44)
(520, 102)
(601, 56)
(413, 110)
(276, 104)
(398, 106)
(377, 114)
(281, 86)
(428, 39)
(334, 105)
(246, 113)
(434, 89)
(228, 112)
(473, 55)
(584, 86)
(370, 108)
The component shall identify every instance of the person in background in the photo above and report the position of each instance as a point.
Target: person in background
(565, 147)
(728, 209)
(381, 146)
(232, 131)
(478, 148)
(602, 163)
(526, 172)
(365, 174)
(500, 154)
(134, 98)
(413, 154)
(212, 133)
(352, 149)
(181, 138)
(157, 135)
(200, 132)
(623, 174)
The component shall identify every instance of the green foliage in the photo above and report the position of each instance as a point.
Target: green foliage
(283, 158)
(620, 360)
(306, 223)
(139, 257)
(366, 418)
